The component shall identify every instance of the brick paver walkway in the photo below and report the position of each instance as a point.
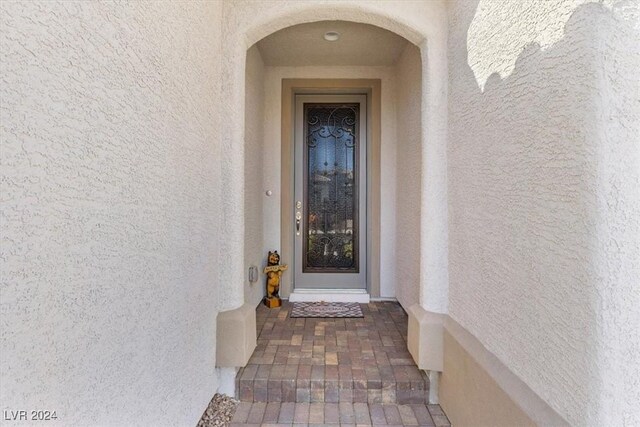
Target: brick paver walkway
(311, 371)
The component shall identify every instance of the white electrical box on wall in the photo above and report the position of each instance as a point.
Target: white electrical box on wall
(253, 274)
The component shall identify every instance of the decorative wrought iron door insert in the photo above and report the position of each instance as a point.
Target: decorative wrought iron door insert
(331, 171)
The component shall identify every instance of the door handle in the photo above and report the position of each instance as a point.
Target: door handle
(298, 218)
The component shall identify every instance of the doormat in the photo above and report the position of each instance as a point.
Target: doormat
(326, 309)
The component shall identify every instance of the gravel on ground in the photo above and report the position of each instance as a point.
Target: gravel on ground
(219, 412)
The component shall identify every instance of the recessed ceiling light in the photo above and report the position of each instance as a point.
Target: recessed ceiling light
(331, 36)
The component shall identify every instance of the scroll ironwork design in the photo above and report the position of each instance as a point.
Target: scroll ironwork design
(331, 180)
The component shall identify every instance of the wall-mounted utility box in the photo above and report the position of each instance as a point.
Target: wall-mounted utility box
(253, 274)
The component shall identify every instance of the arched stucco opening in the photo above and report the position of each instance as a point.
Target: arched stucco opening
(429, 36)
(432, 47)
(307, 13)
(386, 68)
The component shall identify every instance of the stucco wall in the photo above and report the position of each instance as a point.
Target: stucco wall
(618, 231)
(109, 210)
(543, 179)
(471, 396)
(409, 172)
(254, 195)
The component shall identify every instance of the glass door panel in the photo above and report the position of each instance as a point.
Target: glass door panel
(331, 175)
(330, 192)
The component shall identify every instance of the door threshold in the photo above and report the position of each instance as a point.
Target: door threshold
(330, 295)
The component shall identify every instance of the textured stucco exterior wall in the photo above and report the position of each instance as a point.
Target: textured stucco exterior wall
(110, 212)
(254, 195)
(408, 170)
(618, 235)
(543, 182)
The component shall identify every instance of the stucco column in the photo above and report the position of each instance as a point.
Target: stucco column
(232, 172)
(236, 321)
(425, 335)
(434, 274)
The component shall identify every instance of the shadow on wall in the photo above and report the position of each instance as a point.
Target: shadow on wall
(529, 161)
(512, 27)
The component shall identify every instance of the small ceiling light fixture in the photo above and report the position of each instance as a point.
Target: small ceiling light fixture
(331, 36)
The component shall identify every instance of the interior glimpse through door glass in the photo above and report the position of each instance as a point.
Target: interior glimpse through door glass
(331, 196)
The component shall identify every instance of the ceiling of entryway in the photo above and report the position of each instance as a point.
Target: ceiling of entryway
(359, 44)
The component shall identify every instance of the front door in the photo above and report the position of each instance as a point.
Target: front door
(330, 220)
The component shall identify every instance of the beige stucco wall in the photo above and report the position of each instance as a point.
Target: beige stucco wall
(470, 396)
(110, 210)
(254, 196)
(409, 171)
(544, 198)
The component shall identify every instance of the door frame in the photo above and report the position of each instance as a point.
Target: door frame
(372, 89)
